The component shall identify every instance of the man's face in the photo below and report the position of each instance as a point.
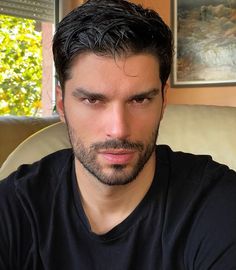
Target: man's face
(112, 108)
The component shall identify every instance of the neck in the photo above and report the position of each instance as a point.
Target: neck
(106, 206)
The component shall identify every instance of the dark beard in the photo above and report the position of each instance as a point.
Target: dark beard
(87, 157)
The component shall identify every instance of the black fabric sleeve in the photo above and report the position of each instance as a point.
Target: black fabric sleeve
(15, 231)
(212, 242)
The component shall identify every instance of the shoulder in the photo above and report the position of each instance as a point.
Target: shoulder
(192, 176)
(198, 169)
(41, 175)
(213, 235)
(46, 167)
(197, 177)
(26, 193)
(200, 208)
(50, 163)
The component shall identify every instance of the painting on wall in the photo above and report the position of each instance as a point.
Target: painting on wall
(205, 42)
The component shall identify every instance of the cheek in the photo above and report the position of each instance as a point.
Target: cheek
(147, 120)
(85, 124)
(145, 126)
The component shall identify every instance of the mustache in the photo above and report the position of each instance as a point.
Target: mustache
(117, 144)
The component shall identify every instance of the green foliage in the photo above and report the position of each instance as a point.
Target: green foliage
(20, 66)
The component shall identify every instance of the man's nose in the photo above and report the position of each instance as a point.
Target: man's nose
(118, 126)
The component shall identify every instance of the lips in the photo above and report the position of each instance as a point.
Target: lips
(117, 156)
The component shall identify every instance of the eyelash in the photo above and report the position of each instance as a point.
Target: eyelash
(138, 101)
(141, 100)
(91, 100)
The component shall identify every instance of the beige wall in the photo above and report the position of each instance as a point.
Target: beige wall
(223, 96)
(66, 6)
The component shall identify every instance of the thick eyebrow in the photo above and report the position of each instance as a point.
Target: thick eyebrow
(81, 92)
(147, 94)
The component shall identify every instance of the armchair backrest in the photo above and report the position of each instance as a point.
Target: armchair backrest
(195, 129)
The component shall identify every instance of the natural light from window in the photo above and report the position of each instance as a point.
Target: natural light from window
(26, 66)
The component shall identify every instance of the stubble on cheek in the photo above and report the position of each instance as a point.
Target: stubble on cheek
(111, 174)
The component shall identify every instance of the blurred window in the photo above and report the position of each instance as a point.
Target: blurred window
(26, 65)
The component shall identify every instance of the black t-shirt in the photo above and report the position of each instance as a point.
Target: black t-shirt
(187, 220)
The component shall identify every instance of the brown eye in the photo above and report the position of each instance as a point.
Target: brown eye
(91, 100)
(141, 100)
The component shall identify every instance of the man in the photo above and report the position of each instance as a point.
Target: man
(117, 201)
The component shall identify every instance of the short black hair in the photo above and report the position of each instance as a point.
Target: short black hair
(111, 28)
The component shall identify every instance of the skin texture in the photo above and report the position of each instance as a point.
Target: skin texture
(112, 108)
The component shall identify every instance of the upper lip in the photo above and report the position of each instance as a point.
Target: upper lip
(117, 151)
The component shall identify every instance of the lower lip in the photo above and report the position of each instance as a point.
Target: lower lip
(118, 158)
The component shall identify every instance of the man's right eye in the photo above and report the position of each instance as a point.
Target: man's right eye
(90, 101)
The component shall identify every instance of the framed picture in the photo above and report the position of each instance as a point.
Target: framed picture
(205, 42)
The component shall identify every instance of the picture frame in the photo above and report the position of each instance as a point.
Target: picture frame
(205, 43)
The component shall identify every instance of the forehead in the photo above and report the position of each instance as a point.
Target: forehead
(125, 72)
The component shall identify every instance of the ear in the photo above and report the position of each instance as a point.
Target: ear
(166, 87)
(60, 103)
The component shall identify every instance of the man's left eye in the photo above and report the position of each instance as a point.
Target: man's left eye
(141, 100)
